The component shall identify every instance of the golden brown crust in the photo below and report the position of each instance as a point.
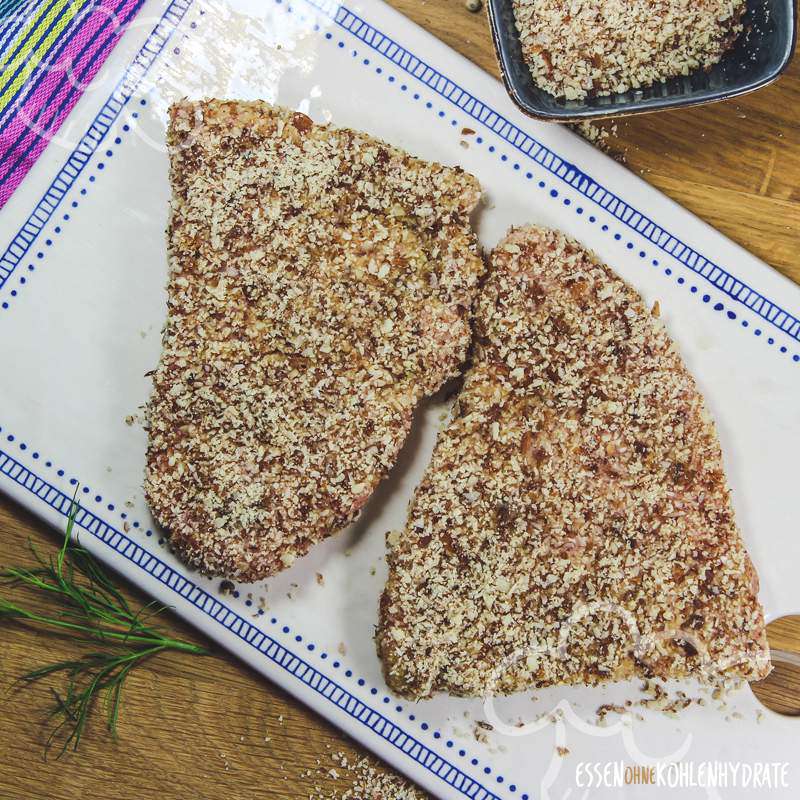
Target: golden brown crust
(320, 284)
(578, 492)
(598, 47)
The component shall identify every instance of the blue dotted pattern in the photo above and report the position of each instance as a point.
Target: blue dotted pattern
(555, 193)
(34, 483)
(18, 250)
(66, 216)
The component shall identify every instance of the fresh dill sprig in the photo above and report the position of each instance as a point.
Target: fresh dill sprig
(90, 609)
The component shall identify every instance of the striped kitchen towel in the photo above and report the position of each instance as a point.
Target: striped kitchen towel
(49, 52)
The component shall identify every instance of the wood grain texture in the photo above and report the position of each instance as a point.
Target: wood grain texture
(211, 728)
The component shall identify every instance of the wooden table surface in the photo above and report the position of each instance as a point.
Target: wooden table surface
(209, 727)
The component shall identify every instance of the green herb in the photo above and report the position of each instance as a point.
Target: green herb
(91, 609)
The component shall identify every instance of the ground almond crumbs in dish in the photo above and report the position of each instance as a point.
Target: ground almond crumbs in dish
(576, 48)
(320, 284)
(574, 524)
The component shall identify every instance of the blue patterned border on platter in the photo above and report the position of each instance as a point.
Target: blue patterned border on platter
(483, 114)
(281, 656)
(80, 156)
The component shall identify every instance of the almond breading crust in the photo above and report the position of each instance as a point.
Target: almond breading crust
(596, 47)
(320, 284)
(574, 525)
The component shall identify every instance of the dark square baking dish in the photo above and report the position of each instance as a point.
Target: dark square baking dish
(758, 57)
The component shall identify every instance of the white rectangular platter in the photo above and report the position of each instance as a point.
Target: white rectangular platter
(82, 299)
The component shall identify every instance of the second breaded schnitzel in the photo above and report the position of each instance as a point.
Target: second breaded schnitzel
(575, 524)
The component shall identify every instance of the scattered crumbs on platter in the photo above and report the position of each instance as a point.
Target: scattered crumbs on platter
(669, 701)
(608, 708)
(479, 732)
